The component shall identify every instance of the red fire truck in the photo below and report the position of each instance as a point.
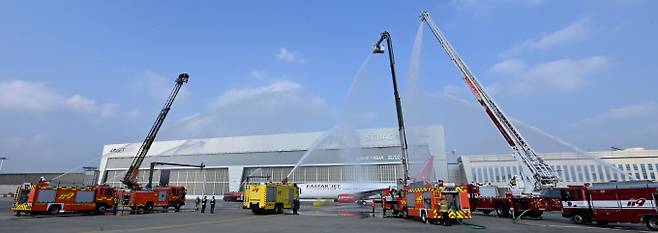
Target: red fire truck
(629, 201)
(44, 197)
(503, 203)
(147, 199)
(525, 196)
(140, 199)
(420, 200)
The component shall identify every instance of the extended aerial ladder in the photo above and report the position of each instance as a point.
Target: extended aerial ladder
(536, 174)
(130, 179)
(398, 105)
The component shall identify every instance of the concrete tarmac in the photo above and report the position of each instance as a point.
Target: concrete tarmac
(229, 217)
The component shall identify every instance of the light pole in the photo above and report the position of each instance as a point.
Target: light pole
(2, 160)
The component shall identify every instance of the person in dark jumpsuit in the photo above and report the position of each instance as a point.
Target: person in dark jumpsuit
(212, 205)
(203, 204)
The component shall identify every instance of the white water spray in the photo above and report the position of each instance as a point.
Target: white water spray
(550, 136)
(574, 148)
(320, 140)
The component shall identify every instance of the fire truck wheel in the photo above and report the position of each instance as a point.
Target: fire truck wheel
(423, 217)
(278, 209)
(502, 211)
(404, 213)
(177, 206)
(100, 209)
(579, 218)
(19, 213)
(53, 209)
(652, 224)
(148, 207)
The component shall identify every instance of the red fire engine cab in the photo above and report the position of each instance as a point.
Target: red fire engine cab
(44, 197)
(421, 200)
(628, 201)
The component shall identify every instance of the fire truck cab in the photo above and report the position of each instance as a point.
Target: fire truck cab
(629, 201)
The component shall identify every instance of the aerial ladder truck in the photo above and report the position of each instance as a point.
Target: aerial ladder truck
(146, 199)
(524, 195)
(417, 199)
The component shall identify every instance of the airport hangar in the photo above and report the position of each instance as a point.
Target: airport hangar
(229, 160)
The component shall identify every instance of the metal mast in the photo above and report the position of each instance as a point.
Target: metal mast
(538, 174)
(398, 106)
(131, 175)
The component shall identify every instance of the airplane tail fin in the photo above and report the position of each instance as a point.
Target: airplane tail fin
(426, 173)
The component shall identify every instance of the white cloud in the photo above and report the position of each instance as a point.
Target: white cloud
(279, 107)
(18, 95)
(575, 31)
(628, 112)
(288, 56)
(236, 95)
(558, 75)
(632, 125)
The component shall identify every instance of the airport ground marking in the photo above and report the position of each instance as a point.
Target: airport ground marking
(583, 227)
(176, 225)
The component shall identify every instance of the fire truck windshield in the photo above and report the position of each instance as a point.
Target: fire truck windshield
(567, 195)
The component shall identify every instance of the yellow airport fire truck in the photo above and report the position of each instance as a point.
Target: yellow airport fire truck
(271, 197)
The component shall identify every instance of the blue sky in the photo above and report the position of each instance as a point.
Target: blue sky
(80, 74)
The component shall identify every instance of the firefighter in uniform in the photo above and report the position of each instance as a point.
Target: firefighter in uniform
(443, 208)
(296, 203)
(116, 205)
(212, 205)
(203, 204)
(197, 203)
(512, 182)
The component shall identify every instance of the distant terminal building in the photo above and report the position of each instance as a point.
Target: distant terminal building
(229, 160)
(572, 168)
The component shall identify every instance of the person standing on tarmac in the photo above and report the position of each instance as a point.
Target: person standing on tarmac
(212, 205)
(197, 204)
(443, 208)
(203, 204)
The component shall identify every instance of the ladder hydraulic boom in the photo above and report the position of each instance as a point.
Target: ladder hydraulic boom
(398, 105)
(537, 174)
(131, 175)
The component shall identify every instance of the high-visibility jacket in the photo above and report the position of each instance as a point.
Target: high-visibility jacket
(443, 206)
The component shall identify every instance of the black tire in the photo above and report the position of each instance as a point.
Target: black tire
(652, 224)
(579, 218)
(278, 209)
(54, 209)
(423, 217)
(404, 213)
(100, 209)
(502, 211)
(486, 212)
(148, 207)
(177, 206)
(18, 213)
